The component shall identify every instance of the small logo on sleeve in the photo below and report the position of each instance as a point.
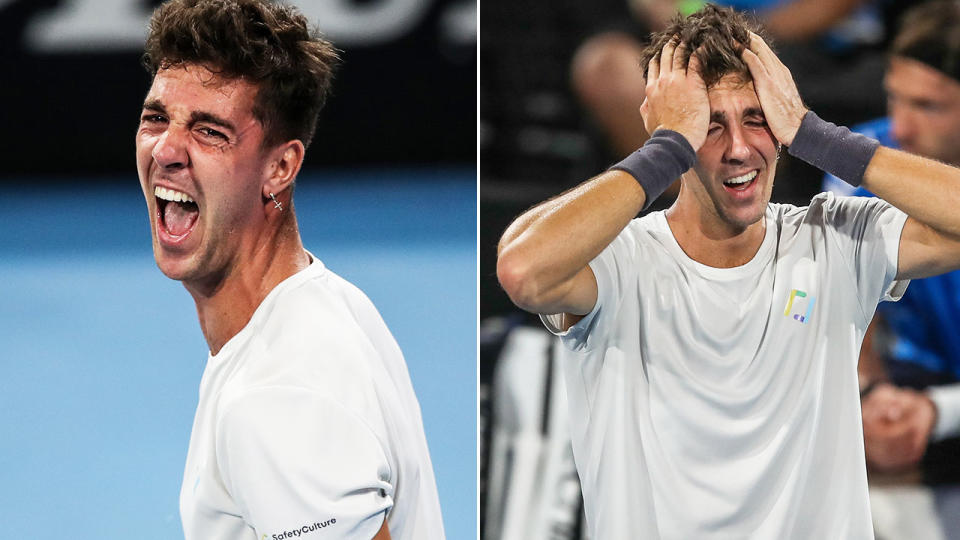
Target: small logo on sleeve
(799, 306)
(301, 531)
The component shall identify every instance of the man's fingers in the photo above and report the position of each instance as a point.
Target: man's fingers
(666, 56)
(653, 70)
(694, 65)
(762, 50)
(645, 114)
(678, 55)
(760, 71)
(758, 45)
(754, 64)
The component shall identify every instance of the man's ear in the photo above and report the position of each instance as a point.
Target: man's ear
(285, 162)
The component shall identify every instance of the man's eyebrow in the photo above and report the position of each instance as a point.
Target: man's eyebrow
(210, 118)
(195, 116)
(154, 105)
(720, 117)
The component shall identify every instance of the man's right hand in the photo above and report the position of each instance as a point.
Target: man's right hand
(676, 95)
(543, 257)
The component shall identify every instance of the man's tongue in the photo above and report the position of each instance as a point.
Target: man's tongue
(179, 217)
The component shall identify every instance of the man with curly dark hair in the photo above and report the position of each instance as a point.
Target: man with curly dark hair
(307, 420)
(712, 374)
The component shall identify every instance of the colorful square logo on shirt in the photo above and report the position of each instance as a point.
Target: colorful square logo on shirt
(799, 305)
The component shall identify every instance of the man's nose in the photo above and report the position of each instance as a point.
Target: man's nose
(902, 124)
(737, 148)
(170, 152)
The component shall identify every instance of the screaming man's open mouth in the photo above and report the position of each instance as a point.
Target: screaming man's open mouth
(177, 213)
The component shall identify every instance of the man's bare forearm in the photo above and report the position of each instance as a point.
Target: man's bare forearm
(543, 250)
(928, 192)
(924, 189)
(543, 255)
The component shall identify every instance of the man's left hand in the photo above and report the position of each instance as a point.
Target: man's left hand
(778, 95)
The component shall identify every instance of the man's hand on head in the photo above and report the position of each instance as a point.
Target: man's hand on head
(676, 95)
(778, 95)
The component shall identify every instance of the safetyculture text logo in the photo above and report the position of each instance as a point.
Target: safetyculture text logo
(306, 529)
(796, 304)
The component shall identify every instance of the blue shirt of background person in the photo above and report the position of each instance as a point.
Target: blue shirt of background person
(925, 324)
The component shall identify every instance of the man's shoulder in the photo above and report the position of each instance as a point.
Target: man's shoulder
(300, 368)
(790, 216)
(825, 216)
(319, 306)
(319, 332)
(650, 226)
(825, 208)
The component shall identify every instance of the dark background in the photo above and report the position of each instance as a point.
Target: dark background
(407, 99)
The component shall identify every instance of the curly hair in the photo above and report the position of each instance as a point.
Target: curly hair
(718, 34)
(268, 44)
(930, 33)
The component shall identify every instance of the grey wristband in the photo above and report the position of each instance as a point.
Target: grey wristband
(660, 161)
(833, 149)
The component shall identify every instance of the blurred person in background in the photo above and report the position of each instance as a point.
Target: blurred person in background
(307, 420)
(714, 384)
(910, 362)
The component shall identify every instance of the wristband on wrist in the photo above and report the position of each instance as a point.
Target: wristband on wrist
(833, 149)
(660, 161)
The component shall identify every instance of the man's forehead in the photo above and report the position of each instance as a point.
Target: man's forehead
(732, 96)
(194, 86)
(909, 76)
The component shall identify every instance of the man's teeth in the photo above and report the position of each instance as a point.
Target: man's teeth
(741, 179)
(171, 195)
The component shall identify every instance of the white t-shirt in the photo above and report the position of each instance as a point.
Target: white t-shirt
(308, 427)
(723, 403)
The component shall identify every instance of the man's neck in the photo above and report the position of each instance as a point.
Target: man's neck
(711, 243)
(227, 306)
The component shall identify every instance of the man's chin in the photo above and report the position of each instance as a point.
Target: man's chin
(179, 268)
(743, 218)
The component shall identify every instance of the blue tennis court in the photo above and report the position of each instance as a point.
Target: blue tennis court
(102, 355)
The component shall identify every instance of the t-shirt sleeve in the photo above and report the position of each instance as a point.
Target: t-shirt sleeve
(294, 460)
(868, 231)
(615, 270)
